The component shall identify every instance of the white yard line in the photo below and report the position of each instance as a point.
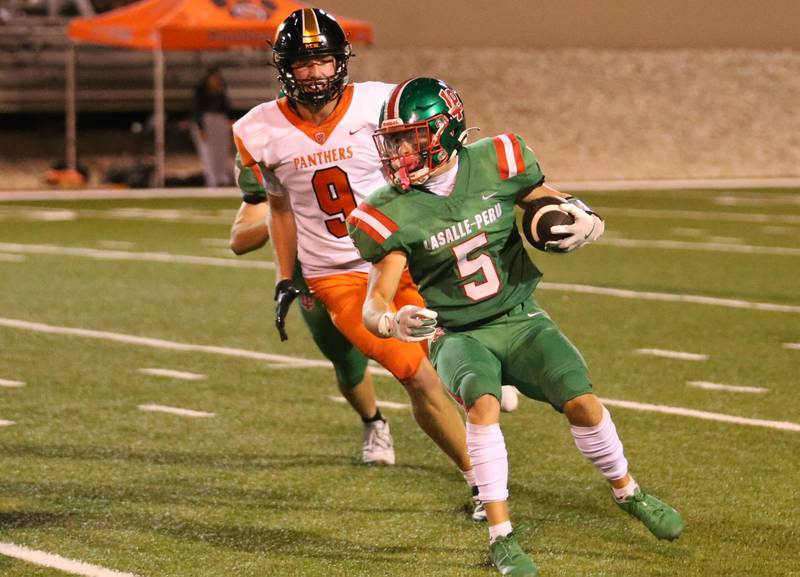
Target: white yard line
(216, 242)
(381, 404)
(678, 184)
(669, 297)
(175, 411)
(651, 213)
(684, 231)
(4, 257)
(158, 215)
(116, 244)
(375, 369)
(134, 256)
(6, 423)
(231, 192)
(169, 373)
(757, 200)
(769, 229)
(57, 562)
(39, 214)
(647, 407)
(230, 261)
(123, 194)
(726, 240)
(706, 246)
(792, 346)
(277, 361)
(721, 387)
(11, 384)
(160, 343)
(156, 343)
(212, 261)
(300, 364)
(680, 355)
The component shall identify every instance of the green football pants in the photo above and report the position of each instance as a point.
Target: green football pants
(523, 348)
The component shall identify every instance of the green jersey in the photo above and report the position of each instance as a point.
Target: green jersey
(464, 250)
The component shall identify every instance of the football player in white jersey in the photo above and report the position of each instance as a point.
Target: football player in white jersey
(312, 152)
(250, 231)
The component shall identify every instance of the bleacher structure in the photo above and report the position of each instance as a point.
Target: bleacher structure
(33, 52)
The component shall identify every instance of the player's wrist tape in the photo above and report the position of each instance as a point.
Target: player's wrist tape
(582, 205)
(387, 324)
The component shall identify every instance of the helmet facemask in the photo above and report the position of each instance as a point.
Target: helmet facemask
(409, 153)
(313, 92)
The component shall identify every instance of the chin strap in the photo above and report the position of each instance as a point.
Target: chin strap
(401, 176)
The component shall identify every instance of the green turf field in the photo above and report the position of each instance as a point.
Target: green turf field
(271, 485)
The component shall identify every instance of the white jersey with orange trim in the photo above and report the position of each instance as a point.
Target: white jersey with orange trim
(326, 170)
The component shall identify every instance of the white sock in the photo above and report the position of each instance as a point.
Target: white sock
(469, 477)
(601, 445)
(487, 452)
(626, 492)
(499, 530)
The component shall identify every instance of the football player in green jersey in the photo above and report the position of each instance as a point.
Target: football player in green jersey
(448, 214)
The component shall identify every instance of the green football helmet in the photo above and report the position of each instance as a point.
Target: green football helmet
(421, 127)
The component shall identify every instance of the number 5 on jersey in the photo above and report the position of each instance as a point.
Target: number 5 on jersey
(476, 291)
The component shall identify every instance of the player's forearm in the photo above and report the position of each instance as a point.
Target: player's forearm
(375, 307)
(384, 278)
(540, 191)
(284, 240)
(249, 237)
(250, 230)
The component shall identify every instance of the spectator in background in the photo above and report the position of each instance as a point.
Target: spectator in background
(211, 128)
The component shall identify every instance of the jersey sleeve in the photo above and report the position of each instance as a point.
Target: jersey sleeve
(374, 234)
(254, 179)
(516, 162)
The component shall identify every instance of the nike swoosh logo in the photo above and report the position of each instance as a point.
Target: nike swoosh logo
(352, 132)
(488, 196)
(531, 315)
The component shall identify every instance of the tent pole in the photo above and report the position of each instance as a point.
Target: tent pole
(71, 122)
(160, 118)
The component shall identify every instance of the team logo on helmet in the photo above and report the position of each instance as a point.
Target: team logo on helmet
(455, 107)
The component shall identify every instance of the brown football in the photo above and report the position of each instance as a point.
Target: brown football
(542, 214)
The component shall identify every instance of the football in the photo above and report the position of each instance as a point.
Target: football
(539, 216)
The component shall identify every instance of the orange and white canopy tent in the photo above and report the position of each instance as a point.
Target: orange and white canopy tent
(196, 25)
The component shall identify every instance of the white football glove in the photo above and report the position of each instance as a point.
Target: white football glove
(409, 324)
(588, 227)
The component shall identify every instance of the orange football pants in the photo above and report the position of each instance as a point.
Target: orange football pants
(343, 295)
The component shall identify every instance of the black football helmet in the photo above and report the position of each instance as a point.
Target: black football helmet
(308, 33)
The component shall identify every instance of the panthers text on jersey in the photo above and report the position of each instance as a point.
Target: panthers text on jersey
(464, 250)
(326, 170)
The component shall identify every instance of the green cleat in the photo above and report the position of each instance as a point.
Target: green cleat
(663, 521)
(510, 559)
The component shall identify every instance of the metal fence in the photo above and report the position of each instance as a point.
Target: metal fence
(32, 73)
